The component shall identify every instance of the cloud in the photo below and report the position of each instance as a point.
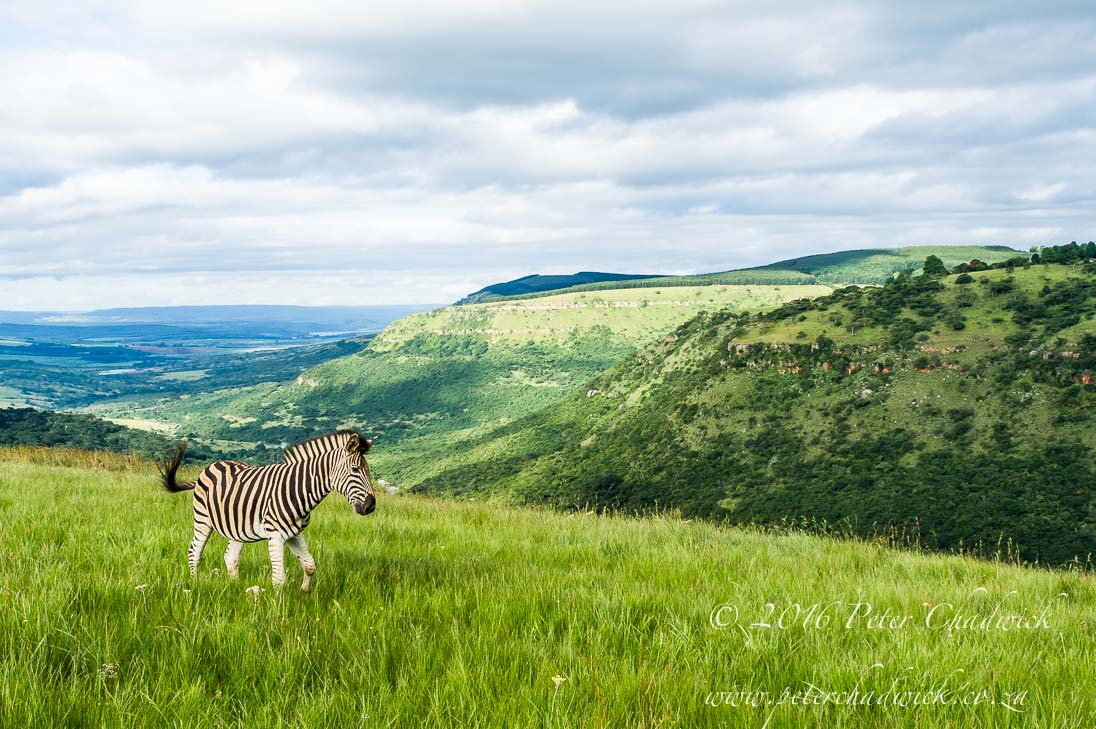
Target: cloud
(394, 155)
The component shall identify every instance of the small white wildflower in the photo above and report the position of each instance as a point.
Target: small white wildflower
(108, 672)
(141, 588)
(185, 591)
(255, 591)
(558, 680)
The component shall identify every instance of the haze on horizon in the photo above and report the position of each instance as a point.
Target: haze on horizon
(332, 153)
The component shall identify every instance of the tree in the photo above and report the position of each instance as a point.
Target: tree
(934, 267)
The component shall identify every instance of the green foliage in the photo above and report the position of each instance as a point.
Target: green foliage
(1066, 254)
(26, 426)
(907, 423)
(934, 267)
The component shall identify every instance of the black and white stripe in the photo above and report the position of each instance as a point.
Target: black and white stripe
(274, 503)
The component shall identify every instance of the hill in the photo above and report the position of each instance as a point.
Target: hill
(433, 378)
(536, 283)
(29, 427)
(866, 266)
(958, 412)
(441, 613)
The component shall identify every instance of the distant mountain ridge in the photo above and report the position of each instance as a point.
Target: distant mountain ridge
(535, 283)
(861, 266)
(295, 318)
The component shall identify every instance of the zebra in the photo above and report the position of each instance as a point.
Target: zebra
(246, 503)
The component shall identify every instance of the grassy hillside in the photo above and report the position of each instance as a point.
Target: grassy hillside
(537, 283)
(29, 427)
(867, 266)
(436, 377)
(441, 613)
(960, 415)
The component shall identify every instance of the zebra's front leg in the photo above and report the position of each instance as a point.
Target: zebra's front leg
(300, 551)
(232, 558)
(276, 543)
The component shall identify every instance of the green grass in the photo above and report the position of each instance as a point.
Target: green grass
(865, 266)
(633, 314)
(445, 613)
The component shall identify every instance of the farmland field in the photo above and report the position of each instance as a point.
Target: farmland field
(436, 612)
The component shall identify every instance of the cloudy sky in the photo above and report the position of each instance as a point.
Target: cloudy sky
(366, 153)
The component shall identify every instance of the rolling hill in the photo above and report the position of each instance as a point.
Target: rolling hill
(865, 266)
(28, 427)
(956, 412)
(536, 283)
(433, 378)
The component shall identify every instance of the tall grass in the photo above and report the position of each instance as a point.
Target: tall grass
(74, 457)
(446, 613)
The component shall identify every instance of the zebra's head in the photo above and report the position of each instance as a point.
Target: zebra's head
(351, 477)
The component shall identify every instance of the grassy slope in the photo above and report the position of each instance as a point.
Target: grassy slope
(435, 377)
(766, 434)
(440, 613)
(537, 282)
(25, 426)
(866, 266)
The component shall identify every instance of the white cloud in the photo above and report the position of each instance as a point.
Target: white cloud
(324, 150)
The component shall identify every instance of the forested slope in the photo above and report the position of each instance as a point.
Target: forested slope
(955, 410)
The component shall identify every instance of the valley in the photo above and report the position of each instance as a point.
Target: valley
(433, 379)
(58, 360)
(957, 414)
(903, 410)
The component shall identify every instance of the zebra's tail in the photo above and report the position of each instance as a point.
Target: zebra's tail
(168, 470)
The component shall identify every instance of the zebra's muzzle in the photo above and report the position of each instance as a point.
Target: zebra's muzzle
(366, 506)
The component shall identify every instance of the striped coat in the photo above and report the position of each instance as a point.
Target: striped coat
(246, 503)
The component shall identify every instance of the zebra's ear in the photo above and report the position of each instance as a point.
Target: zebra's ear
(353, 443)
(368, 444)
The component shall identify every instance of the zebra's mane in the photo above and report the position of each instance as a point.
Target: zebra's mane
(319, 444)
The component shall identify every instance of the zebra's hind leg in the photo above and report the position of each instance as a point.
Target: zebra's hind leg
(300, 551)
(276, 543)
(197, 544)
(232, 558)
